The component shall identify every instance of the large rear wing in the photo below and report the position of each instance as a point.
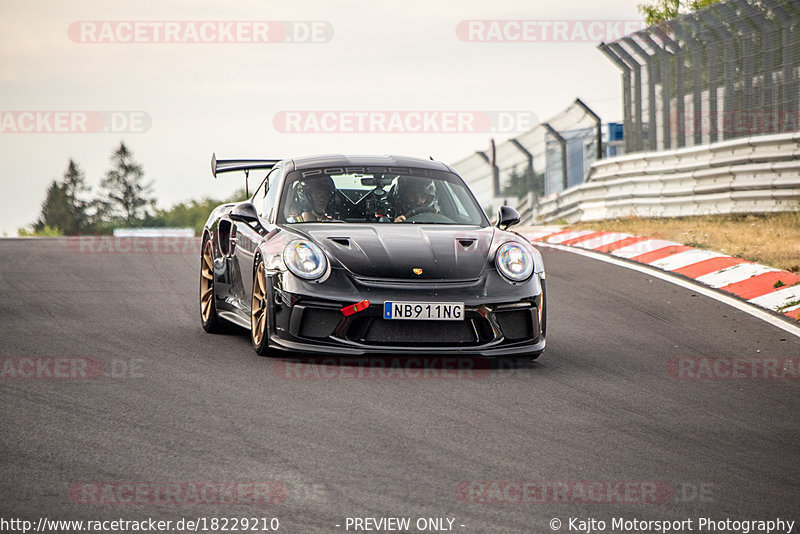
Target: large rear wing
(231, 165)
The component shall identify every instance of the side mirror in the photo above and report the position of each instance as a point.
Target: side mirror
(245, 212)
(507, 217)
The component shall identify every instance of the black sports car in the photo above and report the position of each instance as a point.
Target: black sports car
(355, 255)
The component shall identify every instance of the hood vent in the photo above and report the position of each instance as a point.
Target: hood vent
(343, 241)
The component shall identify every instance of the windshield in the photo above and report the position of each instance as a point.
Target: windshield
(382, 195)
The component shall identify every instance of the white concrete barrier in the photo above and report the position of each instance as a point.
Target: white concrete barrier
(153, 232)
(749, 175)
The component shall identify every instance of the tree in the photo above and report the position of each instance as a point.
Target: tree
(46, 231)
(63, 209)
(518, 183)
(662, 10)
(74, 185)
(193, 213)
(55, 210)
(128, 196)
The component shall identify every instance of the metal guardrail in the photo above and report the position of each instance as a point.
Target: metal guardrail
(524, 210)
(750, 175)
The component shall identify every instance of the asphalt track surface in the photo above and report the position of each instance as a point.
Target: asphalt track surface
(177, 404)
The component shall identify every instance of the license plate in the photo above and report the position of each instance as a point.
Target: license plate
(426, 311)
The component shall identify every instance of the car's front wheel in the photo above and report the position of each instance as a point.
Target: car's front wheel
(259, 314)
(208, 311)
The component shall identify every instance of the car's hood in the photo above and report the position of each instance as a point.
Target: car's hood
(396, 250)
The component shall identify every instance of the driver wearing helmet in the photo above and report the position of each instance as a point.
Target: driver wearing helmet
(415, 195)
(313, 196)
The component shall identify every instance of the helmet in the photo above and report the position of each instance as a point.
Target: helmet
(307, 187)
(411, 189)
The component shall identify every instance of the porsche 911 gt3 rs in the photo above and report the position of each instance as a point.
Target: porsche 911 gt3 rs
(355, 255)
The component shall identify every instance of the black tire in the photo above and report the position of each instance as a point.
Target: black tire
(259, 311)
(209, 318)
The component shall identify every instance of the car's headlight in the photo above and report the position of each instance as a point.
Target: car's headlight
(305, 259)
(514, 262)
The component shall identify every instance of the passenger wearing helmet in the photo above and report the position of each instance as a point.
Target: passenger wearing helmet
(415, 195)
(313, 196)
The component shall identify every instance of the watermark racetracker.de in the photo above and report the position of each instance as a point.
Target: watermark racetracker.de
(403, 121)
(740, 122)
(382, 368)
(106, 244)
(199, 32)
(733, 368)
(177, 493)
(583, 492)
(73, 121)
(545, 31)
(68, 368)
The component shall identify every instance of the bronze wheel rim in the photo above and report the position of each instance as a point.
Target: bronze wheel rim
(258, 320)
(206, 283)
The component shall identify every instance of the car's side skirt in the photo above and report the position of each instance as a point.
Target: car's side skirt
(234, 318)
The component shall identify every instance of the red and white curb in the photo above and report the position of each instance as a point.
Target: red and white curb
(760, 285)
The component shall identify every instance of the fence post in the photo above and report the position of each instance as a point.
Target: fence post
(531, 176)
(626, 92)
(651, 95)
(685, 35)
(636, 103)
(666, 84)
(563, 143)
(598, 124)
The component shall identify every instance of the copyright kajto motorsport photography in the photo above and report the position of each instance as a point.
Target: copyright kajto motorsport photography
(592, 525)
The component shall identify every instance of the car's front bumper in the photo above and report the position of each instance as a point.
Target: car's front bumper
(310, 319)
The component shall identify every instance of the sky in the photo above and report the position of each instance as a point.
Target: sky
(179, 80)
